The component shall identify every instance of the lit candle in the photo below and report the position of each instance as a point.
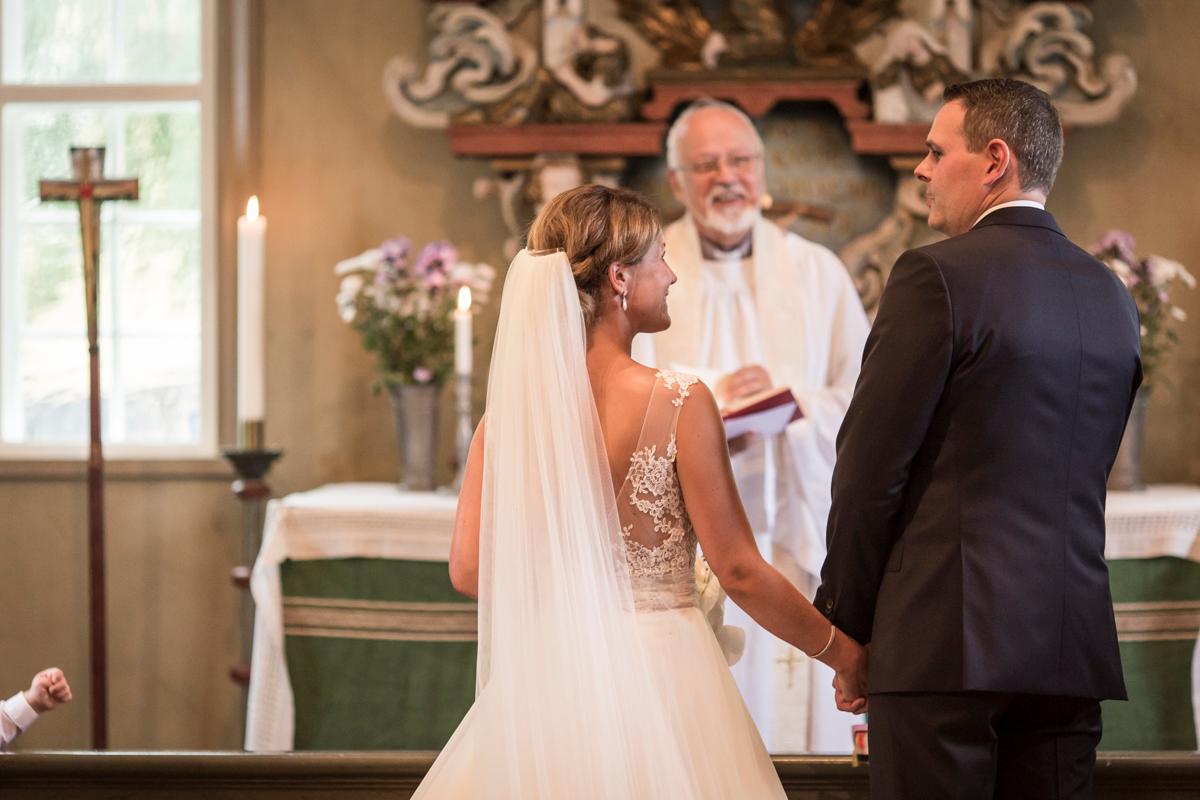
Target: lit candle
(251, 230)
(462, 333)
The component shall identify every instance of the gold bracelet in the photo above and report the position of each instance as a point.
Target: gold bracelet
(829, 644)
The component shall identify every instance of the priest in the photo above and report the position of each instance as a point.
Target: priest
(757, 307)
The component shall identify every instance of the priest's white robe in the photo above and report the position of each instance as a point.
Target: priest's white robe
(792, 308)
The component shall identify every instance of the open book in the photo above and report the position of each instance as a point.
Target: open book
(765, 412)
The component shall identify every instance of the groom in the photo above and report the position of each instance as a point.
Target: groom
(966, 538)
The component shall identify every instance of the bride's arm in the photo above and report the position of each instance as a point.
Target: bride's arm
(464, 544)
(725, 535)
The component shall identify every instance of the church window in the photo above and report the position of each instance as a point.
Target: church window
(136, 77)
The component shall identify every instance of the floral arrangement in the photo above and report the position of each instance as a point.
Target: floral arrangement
(1148, 280)
(402, 306)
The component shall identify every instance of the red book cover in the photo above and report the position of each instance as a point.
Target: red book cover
(766, 412)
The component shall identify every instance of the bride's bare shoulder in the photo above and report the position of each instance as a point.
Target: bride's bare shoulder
(635, 377)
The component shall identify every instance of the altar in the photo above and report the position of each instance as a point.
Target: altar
(354, 601)
(360, 641)
(1153, 552)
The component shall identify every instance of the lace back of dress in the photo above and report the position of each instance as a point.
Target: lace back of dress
(659, 541)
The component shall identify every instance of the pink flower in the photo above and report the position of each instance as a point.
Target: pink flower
(1122, 242)
(422, 375)
(436, 257)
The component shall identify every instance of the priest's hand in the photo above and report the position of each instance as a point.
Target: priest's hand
(48, 689)
(742, 383)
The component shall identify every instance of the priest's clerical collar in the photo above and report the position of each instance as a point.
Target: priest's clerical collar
(711, 251)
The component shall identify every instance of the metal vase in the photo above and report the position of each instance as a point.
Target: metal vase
(1126, 473)
(415, 409)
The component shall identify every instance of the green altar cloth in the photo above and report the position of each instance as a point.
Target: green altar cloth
(380, 653)
(1157, 603)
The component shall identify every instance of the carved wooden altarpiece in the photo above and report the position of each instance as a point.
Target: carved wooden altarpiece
(554, 96)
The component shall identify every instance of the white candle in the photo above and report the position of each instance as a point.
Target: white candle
(251, 230)
(462, 333)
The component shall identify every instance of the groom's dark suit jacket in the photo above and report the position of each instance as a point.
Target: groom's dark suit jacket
(966, 537)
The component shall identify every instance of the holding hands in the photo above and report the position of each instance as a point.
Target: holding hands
(48, 690)
(848, 659)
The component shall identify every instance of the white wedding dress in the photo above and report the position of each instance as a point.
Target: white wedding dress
(599, 676)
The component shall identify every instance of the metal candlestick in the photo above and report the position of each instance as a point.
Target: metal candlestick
(464, 428)
(251, 464)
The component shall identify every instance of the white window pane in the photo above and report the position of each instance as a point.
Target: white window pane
(45, 136)
(150, 390)
(151, 277)
(57, 41)
(162, 149)
(161, 41)
(159, 284)
(102, 41)
(54, 390)
(51, 286)
(160, 384)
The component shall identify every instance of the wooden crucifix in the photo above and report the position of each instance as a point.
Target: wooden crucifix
(89, 188)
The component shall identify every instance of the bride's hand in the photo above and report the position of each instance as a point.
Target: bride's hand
(848, 659)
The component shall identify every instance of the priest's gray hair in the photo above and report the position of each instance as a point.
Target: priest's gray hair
(680, 126)
(1021, 115)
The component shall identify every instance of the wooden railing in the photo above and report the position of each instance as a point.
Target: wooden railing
(368, 776)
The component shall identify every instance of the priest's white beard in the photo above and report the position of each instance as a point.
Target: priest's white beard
(730, 225)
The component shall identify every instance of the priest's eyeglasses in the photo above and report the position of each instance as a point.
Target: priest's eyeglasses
(737, 162)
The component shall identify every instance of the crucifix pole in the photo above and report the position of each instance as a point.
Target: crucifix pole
(89, 188)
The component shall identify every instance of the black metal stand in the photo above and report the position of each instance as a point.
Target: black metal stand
(251, 467)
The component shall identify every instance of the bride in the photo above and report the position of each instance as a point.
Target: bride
(588, 485)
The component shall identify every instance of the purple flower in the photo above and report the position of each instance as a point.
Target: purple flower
(437, 257)
(1119, 241)
(396, 249)
(422, 375)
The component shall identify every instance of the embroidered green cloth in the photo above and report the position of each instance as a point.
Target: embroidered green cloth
(380, 653)
(1157, 602)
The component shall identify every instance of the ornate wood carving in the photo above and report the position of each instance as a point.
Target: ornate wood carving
(878, 138)
(491, 141)
(754, 93)
(518, 80)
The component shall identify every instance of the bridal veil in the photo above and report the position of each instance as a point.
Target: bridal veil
(565, 705)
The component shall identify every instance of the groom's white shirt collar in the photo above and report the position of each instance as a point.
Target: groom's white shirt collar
(1011, 204)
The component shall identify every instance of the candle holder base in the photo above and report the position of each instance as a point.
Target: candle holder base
(250, 464)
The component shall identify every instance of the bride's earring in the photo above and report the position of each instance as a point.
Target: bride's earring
(624, 301)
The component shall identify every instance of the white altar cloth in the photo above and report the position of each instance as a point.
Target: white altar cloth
(379, 520)
(346, 520)
(1160, 521)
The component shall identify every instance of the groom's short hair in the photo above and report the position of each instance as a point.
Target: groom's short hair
(1020, 114)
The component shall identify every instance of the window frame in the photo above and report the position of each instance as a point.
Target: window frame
(203, 92)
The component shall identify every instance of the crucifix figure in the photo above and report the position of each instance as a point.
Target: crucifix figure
(89, 188)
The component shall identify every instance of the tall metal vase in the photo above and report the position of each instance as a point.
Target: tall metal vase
(1126, 473)
(415, 409)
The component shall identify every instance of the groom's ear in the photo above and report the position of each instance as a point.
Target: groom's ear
(1001, 161)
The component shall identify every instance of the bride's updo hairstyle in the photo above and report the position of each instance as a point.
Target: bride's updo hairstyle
(595, 226)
